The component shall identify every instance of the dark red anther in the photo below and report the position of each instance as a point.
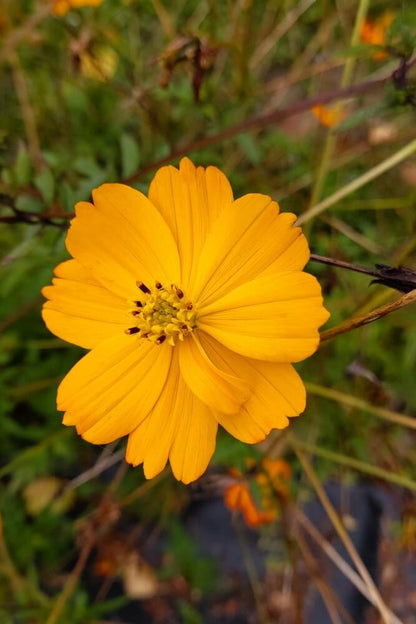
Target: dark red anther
(143, 288)
(132, 330)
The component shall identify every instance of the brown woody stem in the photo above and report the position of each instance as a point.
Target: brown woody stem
(372, 316)
(344, 265)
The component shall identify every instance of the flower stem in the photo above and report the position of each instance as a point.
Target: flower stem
(370, 175)
(356, 464)
(70, 583)
(344, 265)
(372, 316)
(356, 403)
(340, 529)
(338, 561)
(345, 81)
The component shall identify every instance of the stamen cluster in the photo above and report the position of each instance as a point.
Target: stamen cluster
(162, 314)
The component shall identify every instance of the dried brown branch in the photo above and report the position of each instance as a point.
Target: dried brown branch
(372, 316)
(273, 117)
(24, 32)
(27, 216)
(337, 560)
(342, 533)
(260, 121)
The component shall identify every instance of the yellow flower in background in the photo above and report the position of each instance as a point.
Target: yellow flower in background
(375, 32)
(194, 305)
(100, 66)
(60, 7)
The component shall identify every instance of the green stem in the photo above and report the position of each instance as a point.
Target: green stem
(330, 142)
(31, 452)
(340, 529)
(351, 401)
(370, 175)
(356, 464)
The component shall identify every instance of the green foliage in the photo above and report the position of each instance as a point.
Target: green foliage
(199, 571)
(188, 614)
(81, 119)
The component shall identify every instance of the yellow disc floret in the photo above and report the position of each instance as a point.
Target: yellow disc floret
(162, 313)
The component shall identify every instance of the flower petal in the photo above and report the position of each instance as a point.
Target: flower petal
(80, 310)
(272, 318)
(190, 200)
(212, 386)
(113, 388)
(180, 427)
(277, 393)
(122, 239)
(194, 443)
(244, 241)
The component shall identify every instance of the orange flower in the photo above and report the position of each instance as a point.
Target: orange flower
(374, 32)
(60, 7)
(273, 479)
(329, 116)
(193, 306)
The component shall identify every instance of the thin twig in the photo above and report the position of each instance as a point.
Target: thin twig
(352, 234)
(342, 532)
(331, 137)
(103, 463)
(27, 216)
(351, 401)
(356, 184)
(71, 582)
(271, 41)
(255, 583)
(327, 594)
(337, 560)
(143, 489)
(358, 268)
(23, 33)
(357, 464)
(372, 316)
(261, 121)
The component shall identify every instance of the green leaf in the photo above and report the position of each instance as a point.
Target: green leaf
(230, 452)
(249, 148)
(23, 167)
(130, 155)
(359, 117)
(188, 614)
(45, 182)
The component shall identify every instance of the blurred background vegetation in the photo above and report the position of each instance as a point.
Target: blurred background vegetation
(267, 91)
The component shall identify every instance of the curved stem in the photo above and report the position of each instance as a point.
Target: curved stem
(372, 316)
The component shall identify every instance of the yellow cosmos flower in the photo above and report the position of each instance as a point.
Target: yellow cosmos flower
(60, 7)
(194, 305)
(101, 66)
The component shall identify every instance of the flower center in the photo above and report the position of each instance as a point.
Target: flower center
(162, 313)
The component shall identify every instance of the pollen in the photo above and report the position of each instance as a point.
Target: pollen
(162, 314)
